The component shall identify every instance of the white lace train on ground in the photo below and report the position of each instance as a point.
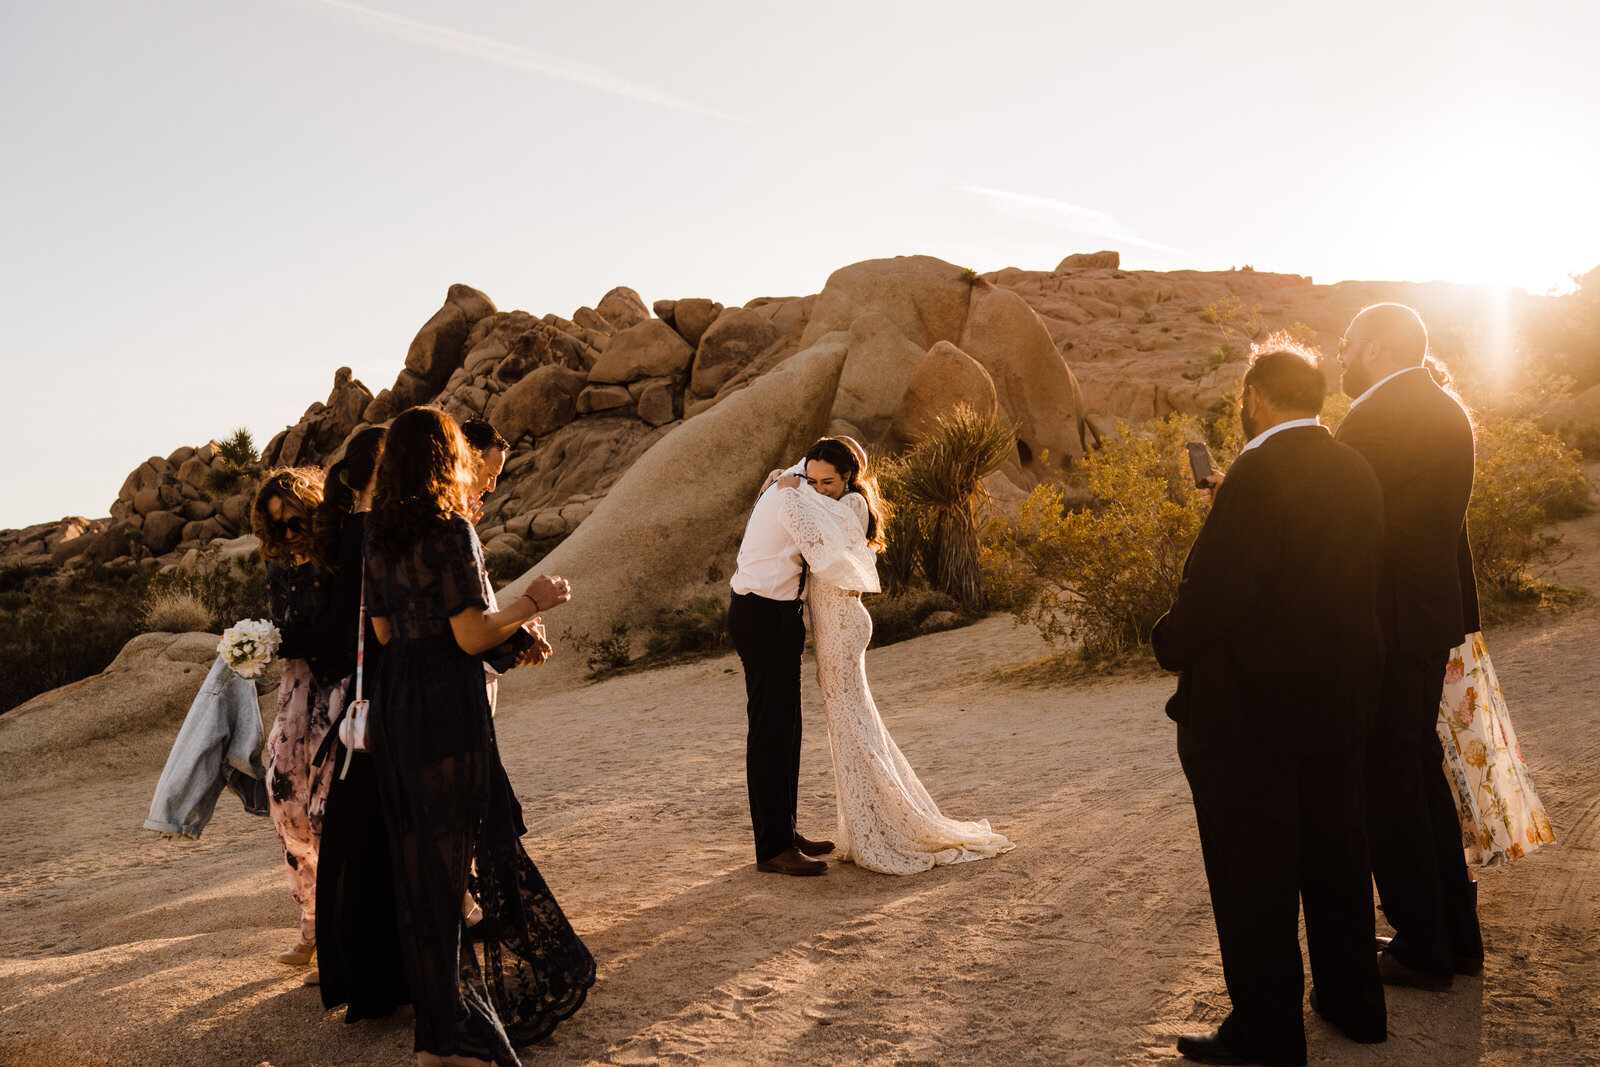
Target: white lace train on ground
(887, 821)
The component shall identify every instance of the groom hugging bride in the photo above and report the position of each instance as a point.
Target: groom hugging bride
(813, 538)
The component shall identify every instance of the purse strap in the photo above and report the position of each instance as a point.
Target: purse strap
(361, 635)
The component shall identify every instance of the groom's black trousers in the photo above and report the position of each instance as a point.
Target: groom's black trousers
(1279, 829)
(1415, 831)
(770, 636)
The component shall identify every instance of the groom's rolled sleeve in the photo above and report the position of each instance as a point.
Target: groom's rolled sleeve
(1225, 576)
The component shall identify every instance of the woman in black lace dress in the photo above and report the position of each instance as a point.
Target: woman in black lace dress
(451, 816)
(312, 691)
(358, 946)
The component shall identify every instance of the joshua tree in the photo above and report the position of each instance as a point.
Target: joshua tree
(939, 488)
(240, 463)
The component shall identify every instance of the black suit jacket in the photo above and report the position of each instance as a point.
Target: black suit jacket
(1418, 440)
(1275, 629)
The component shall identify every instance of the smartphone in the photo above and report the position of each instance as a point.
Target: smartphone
(1200, 463)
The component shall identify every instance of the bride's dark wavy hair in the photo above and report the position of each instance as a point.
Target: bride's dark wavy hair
(853, 468)
(346, 480)
(422, 477)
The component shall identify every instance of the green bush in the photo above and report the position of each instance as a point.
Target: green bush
(177, 612)
(229, 590)
(1526, 479)
(1102, 575)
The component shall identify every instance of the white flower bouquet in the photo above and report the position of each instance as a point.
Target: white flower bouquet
(249, 646)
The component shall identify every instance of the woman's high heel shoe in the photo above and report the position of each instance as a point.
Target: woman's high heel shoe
(298, 956)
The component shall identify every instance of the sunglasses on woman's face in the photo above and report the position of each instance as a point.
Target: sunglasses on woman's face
(284, 527)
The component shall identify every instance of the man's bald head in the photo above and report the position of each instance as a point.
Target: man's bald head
(1381, 340)
(1397, 327)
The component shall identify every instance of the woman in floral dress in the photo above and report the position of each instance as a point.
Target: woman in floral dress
(311, 694)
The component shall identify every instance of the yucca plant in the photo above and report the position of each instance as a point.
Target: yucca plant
(240, 463)
(940, 480)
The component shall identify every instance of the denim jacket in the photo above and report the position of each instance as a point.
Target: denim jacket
(219, 745)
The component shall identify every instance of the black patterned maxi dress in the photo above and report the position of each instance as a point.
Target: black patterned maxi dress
(447, 803)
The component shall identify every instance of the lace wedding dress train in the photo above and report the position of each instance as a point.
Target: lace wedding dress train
(887, 821)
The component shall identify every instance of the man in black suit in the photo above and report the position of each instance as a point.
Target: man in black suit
(1275, 635)
(1418, 439)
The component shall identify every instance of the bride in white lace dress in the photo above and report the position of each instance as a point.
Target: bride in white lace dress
(887, 820)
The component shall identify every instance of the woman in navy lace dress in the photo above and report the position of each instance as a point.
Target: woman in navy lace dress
(451, 816)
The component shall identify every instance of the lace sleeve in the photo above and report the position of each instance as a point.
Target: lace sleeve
(830, 538)
(457, 561)
(858, 504)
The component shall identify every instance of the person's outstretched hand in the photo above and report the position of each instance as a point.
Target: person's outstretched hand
(788, 481)
(547, 590)
(541, 649)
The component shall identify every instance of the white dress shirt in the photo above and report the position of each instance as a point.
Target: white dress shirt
(1382, 382)
(1258, 439)
(769, 558)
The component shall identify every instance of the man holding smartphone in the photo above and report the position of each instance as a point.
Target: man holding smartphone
(1276, 640)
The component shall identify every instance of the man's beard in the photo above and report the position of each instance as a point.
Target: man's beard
(1355, 381)
(1248, 423)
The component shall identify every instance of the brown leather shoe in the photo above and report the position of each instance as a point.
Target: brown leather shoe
(789, 861)
(1393, 972)
(1471, 966)
(812, 848)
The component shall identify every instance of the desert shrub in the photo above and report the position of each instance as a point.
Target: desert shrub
(1526, 479)
(1102, 575)
(229, 590)
(701, 626)
(54, 631)
(175, 611)
(937, 490)
(605, 654)
(897, 616)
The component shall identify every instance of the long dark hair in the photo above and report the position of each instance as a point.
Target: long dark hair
(423, 476)
(851, 467)
(345, 480)
(300, 490)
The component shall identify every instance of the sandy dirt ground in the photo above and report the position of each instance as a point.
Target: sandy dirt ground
(1091, 943)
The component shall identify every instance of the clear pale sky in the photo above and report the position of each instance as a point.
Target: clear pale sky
(206, 206)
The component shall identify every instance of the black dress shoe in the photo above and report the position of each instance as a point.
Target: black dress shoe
(1373, 1037)
(1209, 1048)
(1471, 966)
(789, 861)
(1393, 972)
(812, 848)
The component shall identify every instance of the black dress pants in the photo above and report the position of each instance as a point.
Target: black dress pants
(1413, 826)
(1277, 829)
(770, 636)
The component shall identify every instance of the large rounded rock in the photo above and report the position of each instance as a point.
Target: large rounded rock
(162, 531)
(474, 305)
(649, 545)
(652, 349)
(543, 401)
(622, 307)
(925, 298)
(437, 348)
(738, 336)
(876, 373)
(1035, 387)
(693, 317)
(946, 379)
(1101, 260)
